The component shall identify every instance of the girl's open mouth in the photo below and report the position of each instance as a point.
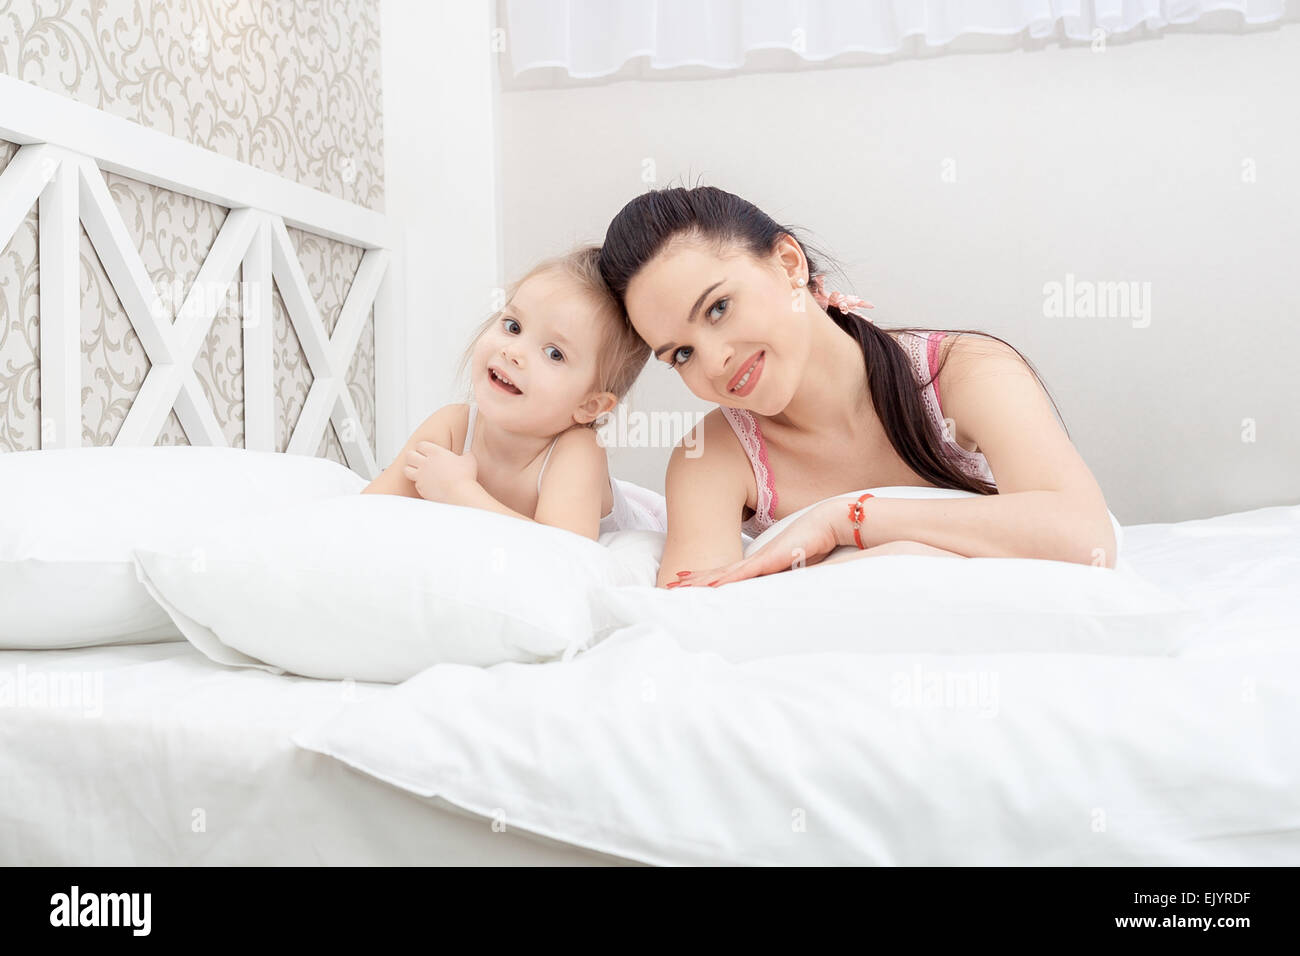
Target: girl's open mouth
(503, 383)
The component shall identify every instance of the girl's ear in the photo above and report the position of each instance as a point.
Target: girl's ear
(597, 404)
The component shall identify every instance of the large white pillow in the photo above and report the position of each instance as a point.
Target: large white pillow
(900, 491)
(70, 517)
(915, 603)
(379, 587)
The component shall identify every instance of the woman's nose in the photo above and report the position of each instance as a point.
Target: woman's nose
(718, 361)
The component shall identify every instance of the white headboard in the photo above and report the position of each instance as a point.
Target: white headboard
(66, 147)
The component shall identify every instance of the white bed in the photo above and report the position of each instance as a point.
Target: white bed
(172, 759)
(1094, 760)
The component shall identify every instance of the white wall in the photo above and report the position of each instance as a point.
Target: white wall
(1122, 165)
(442, 149)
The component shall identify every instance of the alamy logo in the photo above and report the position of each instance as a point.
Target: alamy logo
(101, 909)
(1085, 299)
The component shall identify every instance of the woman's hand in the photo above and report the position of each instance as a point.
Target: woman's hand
(438, 473)
(808, 540)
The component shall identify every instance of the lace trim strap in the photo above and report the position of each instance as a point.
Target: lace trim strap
(923, 350)
(745, 425)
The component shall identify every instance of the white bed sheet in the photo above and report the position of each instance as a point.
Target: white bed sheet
(642, 749)
(118, 775)
(1194, 759)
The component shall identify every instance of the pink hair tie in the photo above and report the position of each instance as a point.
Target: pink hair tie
(845, 303)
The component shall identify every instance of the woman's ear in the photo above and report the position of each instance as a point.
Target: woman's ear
(597, 404)
(790, 257)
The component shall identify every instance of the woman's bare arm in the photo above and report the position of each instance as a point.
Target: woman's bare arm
(706, 497)
(1049, 504)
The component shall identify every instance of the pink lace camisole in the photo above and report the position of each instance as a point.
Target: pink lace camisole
(923, 350)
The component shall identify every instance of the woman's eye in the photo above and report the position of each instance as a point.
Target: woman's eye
(554, 354)
(509, 322)
(684, 348)
(719, 307)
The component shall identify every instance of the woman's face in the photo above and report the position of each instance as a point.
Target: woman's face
(715, 317)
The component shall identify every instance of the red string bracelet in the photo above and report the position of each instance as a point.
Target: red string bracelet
(855, 515)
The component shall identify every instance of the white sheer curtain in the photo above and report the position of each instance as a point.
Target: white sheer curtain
(593, 38)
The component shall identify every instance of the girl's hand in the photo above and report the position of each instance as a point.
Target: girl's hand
(439, 473)
(808, 540)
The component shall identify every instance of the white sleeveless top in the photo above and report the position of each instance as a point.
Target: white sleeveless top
(634, 508)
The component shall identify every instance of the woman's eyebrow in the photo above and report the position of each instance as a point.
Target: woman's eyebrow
(690, 318)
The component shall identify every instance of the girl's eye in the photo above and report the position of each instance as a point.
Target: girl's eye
(685, 348)
(720, 306)
(557, 357)
(509, 322)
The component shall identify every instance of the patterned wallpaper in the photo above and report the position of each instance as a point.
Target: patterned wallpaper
(288, 86)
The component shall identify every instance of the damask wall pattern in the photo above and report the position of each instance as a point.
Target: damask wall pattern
(289, 86)
(288, 83)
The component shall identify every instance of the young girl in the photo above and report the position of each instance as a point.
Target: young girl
(542, 371)
(815, 401)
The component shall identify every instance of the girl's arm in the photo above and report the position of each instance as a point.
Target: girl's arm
(437, 428)
(573, 486)
(473, 495)
(572, 493)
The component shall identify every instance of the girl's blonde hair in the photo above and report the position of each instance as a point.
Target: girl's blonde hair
(622, 353)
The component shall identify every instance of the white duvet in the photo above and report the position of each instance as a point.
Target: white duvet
(644, 749)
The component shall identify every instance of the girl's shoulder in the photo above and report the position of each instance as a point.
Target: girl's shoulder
(578, 455)
(456, 417)
(579, 441)
(445, 427)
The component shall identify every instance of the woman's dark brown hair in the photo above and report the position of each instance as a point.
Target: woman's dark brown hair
(649, 222)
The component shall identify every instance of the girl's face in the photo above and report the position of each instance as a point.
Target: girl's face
(715, 318)
(545, 345)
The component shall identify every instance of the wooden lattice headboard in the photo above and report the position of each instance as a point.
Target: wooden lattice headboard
(66, 147)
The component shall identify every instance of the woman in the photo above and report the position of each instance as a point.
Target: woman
(817, 402)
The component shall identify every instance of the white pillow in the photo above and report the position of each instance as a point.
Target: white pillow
(639, 553)
(70, 517)
(379, 587)
(898, 491)
(915, 603)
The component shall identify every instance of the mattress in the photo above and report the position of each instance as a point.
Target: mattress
(151, 754)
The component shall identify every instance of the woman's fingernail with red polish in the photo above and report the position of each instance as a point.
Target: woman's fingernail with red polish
(682, 574)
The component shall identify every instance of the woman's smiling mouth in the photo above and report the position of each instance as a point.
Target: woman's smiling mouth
(747, 378)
